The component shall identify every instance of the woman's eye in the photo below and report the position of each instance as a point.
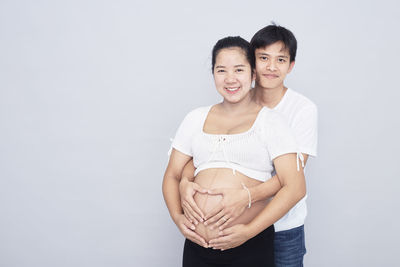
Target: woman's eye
(239, 70)
(219, 71)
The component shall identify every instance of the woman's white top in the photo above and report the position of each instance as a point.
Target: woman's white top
(251, 152)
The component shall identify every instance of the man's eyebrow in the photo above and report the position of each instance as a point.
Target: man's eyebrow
(266, 54)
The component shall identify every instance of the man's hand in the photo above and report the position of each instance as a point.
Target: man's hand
(187, 229)
(230, 238)
(187, 190)
(234, 202)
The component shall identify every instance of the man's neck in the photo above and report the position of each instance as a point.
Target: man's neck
(269, 97)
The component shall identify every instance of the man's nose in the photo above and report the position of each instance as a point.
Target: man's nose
(271, 65)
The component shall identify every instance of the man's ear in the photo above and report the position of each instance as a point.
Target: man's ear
(291, 66)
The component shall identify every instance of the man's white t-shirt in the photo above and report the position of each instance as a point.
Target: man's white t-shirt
(302, 116)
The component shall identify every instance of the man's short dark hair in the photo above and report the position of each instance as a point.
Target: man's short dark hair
(272, 34)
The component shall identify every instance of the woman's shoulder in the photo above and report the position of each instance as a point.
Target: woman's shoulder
(198, 113)
(190, 126)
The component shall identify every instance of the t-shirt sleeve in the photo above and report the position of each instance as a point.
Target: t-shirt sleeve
(305, 129)
(184, 135)
(279, 137)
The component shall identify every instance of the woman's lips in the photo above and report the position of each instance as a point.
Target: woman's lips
(231, 90)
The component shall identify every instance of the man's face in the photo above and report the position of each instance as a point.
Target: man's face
(272, 65)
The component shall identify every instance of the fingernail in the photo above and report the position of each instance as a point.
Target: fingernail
(193, 227)
(205, 223)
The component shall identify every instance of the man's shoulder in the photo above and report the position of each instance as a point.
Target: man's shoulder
(299, 101)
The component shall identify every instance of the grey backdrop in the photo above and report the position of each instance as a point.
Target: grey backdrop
(91, 92)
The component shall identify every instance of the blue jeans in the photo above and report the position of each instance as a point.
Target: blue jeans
(289, 247)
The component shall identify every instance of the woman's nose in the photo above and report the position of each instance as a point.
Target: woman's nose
(230, 77)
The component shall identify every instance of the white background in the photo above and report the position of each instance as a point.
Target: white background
(92, 91)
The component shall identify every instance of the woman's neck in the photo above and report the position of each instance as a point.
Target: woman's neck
(237, 108)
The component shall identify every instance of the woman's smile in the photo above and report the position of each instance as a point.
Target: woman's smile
(232, 90)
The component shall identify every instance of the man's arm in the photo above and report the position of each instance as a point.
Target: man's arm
(293, 190)
(234, 202)
(269, 188)
(305, 128)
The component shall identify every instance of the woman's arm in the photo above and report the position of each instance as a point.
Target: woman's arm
(170, 190)
(293, 190)
(235, 201)
(188, 189)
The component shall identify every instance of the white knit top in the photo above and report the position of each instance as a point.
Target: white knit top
(250, 152)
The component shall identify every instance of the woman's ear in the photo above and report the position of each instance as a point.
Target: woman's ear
(291, 66)
(253, 78)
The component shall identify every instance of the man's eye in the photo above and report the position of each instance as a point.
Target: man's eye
(239, 70)
(282, 60)
(263, 58)
(219, 71)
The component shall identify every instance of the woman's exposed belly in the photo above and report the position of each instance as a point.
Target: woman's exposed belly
(223, 178)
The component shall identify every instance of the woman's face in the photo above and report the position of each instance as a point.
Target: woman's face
(232, 74)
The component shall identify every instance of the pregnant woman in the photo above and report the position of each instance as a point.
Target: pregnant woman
(233, 144)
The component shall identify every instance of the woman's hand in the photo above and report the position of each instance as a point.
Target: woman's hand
(187, 190)
(187, 229)
(230, 238)
(234, 202)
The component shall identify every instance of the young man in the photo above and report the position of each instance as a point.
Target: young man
(274, 49)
